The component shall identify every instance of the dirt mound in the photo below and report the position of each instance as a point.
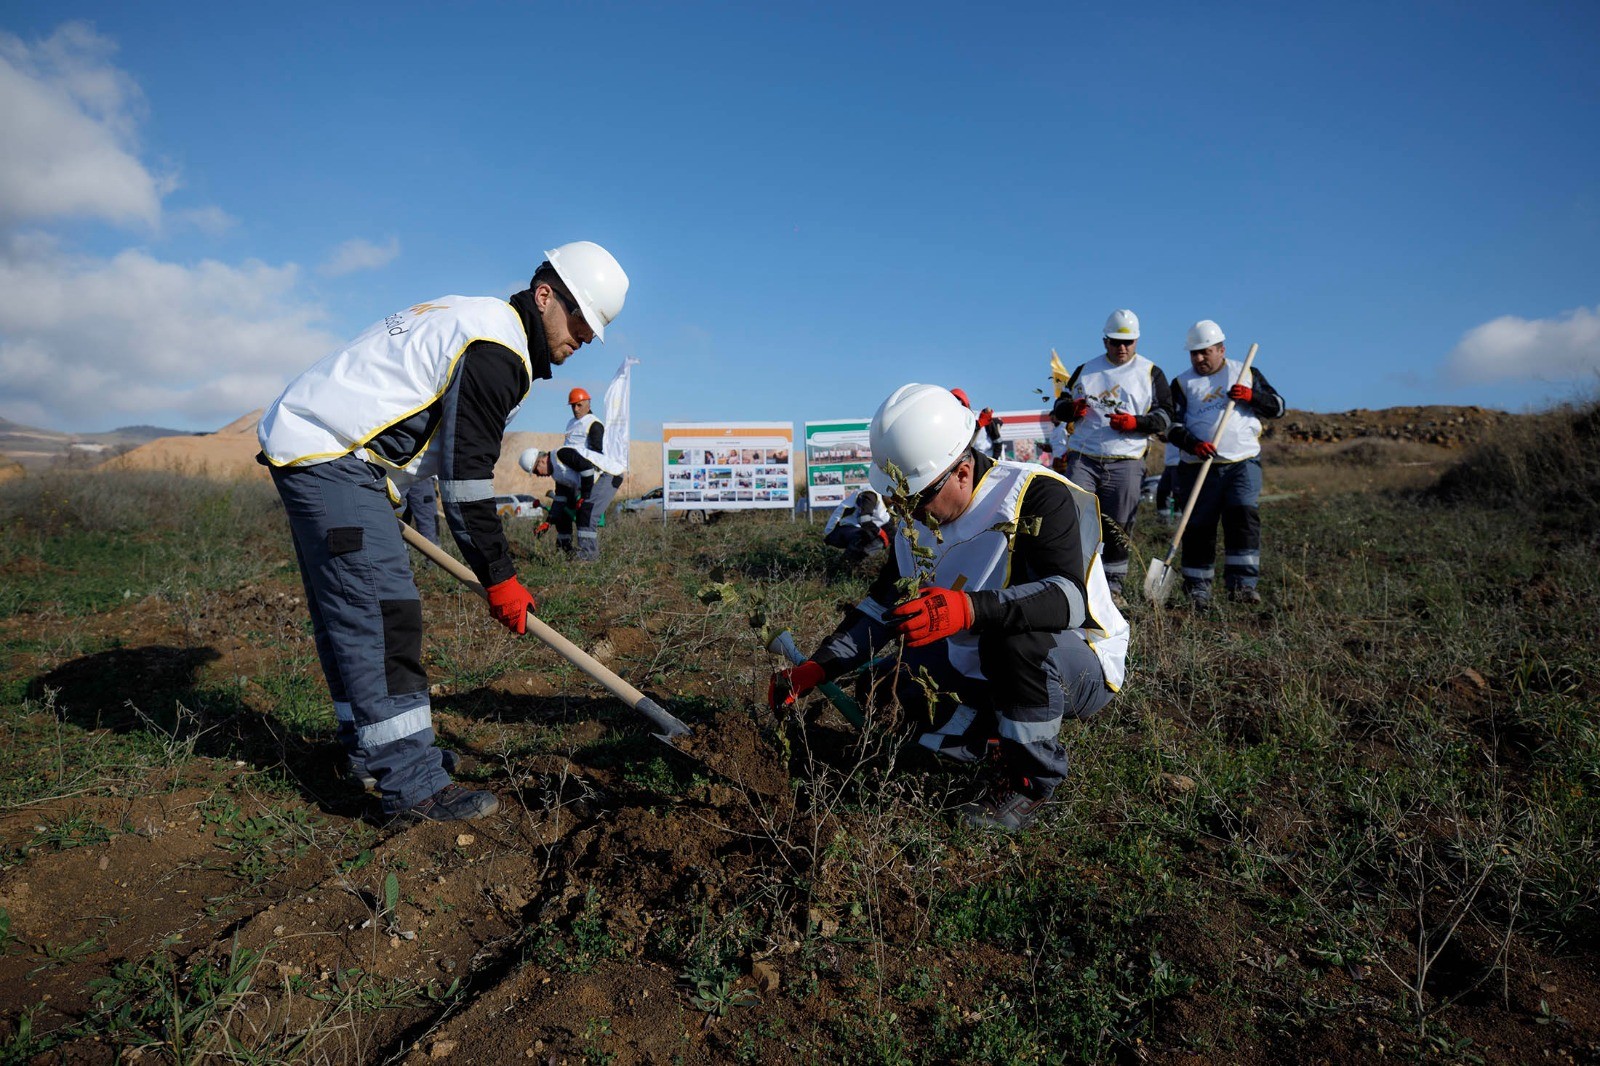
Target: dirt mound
(1446, 427)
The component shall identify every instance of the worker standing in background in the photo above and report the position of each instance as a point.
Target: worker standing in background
(1233, 487)
(1012, 628)
(421, 510)
(986, 437)
(427, 391)
(584, 489)
(1058, 439)
(1120, 400)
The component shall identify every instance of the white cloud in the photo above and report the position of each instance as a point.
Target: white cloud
(212, 221)
(358, 254)
(1563, 348)
(88, 342)
(68, 125)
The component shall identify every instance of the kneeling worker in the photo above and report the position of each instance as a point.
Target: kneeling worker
(1015, 624)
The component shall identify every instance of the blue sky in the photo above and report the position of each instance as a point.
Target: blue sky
(815, 202)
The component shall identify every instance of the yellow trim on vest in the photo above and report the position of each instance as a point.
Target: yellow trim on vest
(527, 364)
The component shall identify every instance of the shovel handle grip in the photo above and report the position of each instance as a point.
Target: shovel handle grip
(569, 651)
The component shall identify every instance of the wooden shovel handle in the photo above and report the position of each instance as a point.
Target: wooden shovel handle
(564, 647)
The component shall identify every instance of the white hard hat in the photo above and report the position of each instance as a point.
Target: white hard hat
(528, 458)
(1203, 334)
(594, 278)
(922, 430)
(1123, 325)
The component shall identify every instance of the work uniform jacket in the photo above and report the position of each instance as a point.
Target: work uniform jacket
(1137, 387)
(1039, 571)
(1198, 401)
(582, 455)
(427, 391)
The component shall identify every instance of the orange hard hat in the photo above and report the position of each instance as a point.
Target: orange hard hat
(576, 396)
(961, 394)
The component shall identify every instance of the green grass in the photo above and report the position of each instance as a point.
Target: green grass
(1393, 762)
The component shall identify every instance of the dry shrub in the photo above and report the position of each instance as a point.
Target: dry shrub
(1547, 465)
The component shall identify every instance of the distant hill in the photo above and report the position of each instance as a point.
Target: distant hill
(36, 448)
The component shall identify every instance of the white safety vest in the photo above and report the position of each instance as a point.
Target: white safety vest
(973, 556)
(578, 440)
(1058, 441)
(1109, 390)
(1207, 395)
(396, 368)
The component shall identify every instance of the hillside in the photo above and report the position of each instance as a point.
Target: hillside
(230, 453)
(35, 449)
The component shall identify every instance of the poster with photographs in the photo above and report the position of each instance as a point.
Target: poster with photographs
(1024, 435)
(727, 466)
(837, 457)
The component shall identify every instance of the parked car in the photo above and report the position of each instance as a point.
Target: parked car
(651, 502)
(519, 505)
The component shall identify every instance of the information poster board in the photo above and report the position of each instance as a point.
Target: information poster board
(738, 466)
(1023, 435)
(837, 457)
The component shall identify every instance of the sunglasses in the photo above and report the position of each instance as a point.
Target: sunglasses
(1120, 342)
(566, 301)
(926, 496)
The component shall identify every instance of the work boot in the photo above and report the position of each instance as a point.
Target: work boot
(1004, 809)
(356, 770)
(452, 803)
(1244, 595)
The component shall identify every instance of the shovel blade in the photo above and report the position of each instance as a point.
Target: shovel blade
(1158, 582)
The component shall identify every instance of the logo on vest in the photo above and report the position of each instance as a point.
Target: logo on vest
(1108, 400)
(422, 309)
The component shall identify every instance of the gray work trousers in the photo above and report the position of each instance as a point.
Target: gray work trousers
(1117, 483)
(576, 513)
(422, 508)
(366, 619)
(1032, 681)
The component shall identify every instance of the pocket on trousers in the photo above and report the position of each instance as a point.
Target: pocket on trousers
(344, 539)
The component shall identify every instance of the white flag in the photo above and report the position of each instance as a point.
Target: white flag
(618, 394)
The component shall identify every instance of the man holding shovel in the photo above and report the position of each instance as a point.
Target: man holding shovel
(426, 391)
(1118, 401)
(1007, 621)
(1200, 394)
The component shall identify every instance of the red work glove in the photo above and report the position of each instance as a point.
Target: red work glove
(1205, 449)
(1241, 393)
(1123, 422)
(1080, 407)
(986, 416)
(934, 615)
(510, 603)
(788, 685)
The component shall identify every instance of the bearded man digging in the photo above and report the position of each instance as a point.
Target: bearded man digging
(427, 391)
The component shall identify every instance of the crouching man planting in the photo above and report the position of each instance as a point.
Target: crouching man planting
(1011, 619)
